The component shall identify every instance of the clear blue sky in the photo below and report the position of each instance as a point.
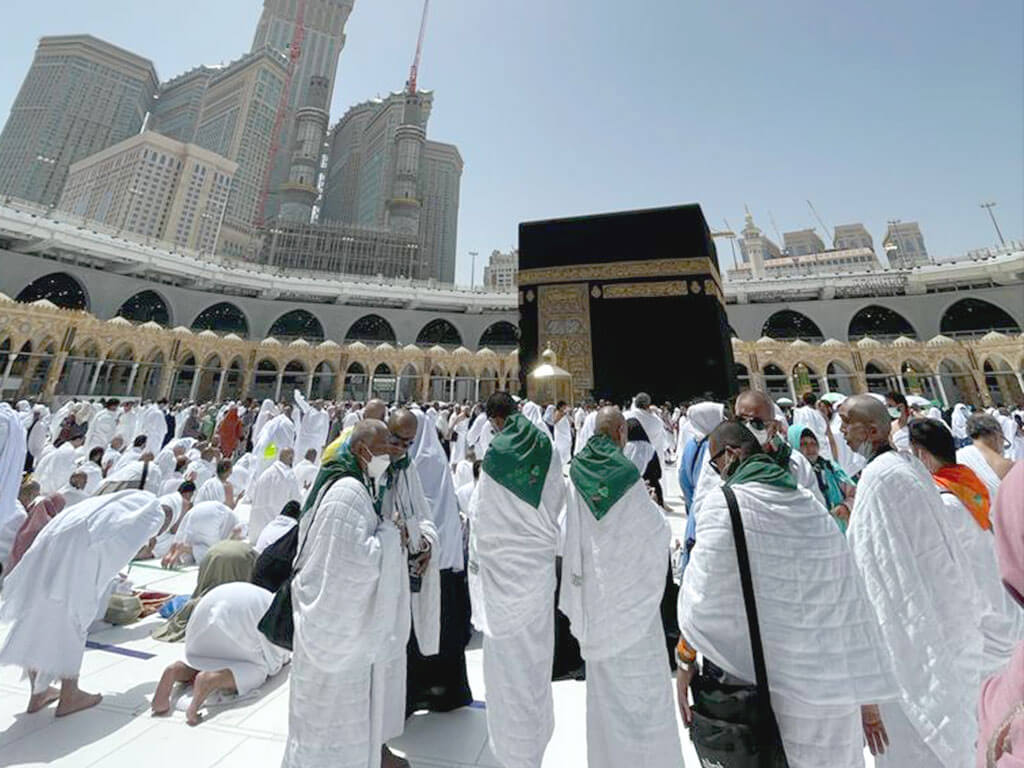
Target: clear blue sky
(872, 109)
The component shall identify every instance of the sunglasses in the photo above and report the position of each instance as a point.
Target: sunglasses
(754, 422)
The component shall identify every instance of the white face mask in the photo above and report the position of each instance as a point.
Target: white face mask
(760, 434)
(378, 465)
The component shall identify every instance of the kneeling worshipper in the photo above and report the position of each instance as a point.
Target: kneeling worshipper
(514, 539)
(967, 501)
(1001, 705)
(75, 491)
(919, 585)
(206, 524)
(53, 469)
(62, 585)
(12, 461)
(346, 593)
(616, 546)
(178, 504)
(226, 562)
(826, 663)
(835, 485)
(224, 650)
(437, 678)
(139, 475)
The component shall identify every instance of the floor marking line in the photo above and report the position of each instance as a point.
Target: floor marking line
(122, 651)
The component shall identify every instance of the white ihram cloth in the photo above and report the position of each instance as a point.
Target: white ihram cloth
(12, 463)
(512, 587)
(38, 433)
(126, 458)
(55, 468)
(273, 531)
(563, 439)
(312, 430)
(463, 474)
(533, 412)
(154, 426)
(1002, 622)
(972, 457)
(212, 490)
(278, 434)
(267, 412)
(275, 488)
(1009, 433)
(222, 634)
(959, 421)
(347, 608)
(128, 424)
(130, 474)
(809, 416)
(56, 590)
(480, 435)
(72, 495)
(176, 503)
(640, 452)
(102, 427)
(206, 524)
(583, 435)
(305, 474)
(654, 427)
(458, 445)
(907, 554)
(438, 488)
(824, 649)
(613, 579)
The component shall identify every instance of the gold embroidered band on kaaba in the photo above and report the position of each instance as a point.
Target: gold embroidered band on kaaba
(620, 270)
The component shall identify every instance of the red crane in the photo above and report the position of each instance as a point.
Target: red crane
(414, 70)
(294, 51)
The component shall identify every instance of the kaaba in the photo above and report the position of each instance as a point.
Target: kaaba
(628, 302)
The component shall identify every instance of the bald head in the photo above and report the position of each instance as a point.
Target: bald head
(369, 438)
(865, 419)
(611, 423)
(755, 404)
(376, 410)
(402, 425)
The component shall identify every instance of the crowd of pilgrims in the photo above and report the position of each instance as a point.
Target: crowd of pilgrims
(885, 538)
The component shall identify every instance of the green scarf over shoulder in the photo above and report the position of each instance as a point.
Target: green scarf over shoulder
(342, 464)
(602, 474)
(519, 458)
(762, 468)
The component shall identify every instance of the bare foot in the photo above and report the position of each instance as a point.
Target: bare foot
(389, 759)
(162, 697)
(78, 701)
(42, 700)
(205, 684)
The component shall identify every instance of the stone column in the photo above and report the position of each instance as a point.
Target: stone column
(902, 386)
(424, 387)
(309, 384)
(476, 396)
(220, 385)
(53, 375)
(792, 389)
(7, 370)
(167, 375)
(131, 378)
(197, 374)
(96, 375)
(280, 383)
(823, 379)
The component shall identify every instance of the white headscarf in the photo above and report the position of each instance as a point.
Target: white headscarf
(431, 464)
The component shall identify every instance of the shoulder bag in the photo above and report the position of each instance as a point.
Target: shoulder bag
(733, 725)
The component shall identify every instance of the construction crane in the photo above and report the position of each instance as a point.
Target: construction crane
(414, 70)
(816, 216)
(731, 236)
(294, 52)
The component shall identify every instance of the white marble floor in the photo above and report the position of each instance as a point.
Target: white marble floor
(120, 733)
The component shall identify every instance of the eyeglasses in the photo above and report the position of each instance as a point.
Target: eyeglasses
(752, 421)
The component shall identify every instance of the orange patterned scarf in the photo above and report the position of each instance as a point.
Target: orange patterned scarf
(968, 487)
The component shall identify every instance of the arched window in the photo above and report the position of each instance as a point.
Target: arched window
(776, 382)
(879, 322)
(742, 375)
(787, 324)
(297, 324)
(224, 317)
(500, 335)
(371, 329)
(60, 288)
(145, 307)
(977, 316)
(439, 331)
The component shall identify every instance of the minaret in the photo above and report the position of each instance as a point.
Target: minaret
(299, 193)
(753, 246)
(404, 206)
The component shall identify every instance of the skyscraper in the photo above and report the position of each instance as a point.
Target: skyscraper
(81, 95)
(154, 186)
(236, 122)
(179, 103)
(323, 37)
(383, 172)
(299, 193)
